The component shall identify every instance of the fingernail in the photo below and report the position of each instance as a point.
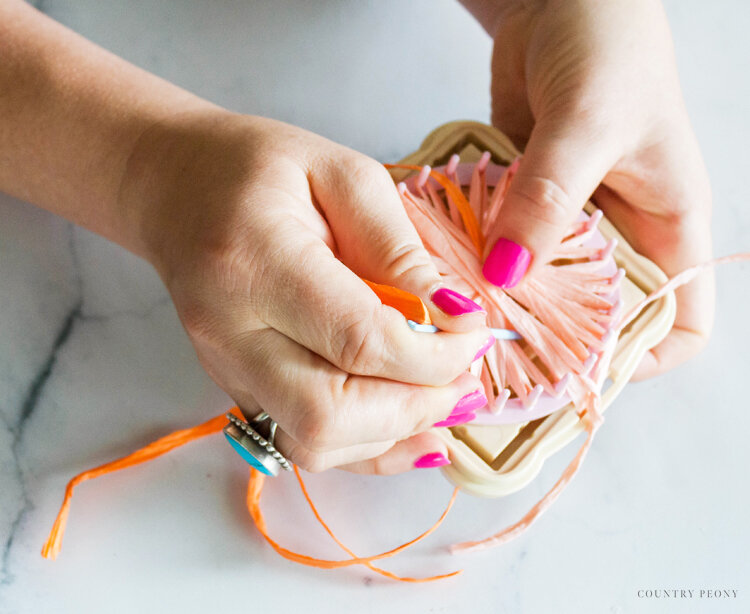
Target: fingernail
(507, 263)
(457, 419)
(453, 303)
(485, 348)
(469, 402)
(436, 459)
(465, 409)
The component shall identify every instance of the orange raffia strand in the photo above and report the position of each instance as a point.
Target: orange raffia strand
(462, 204)
(410, 305)
(254, 489)
(413, 308)
(52, 546)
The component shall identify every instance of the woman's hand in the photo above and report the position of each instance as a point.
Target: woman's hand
(260, 231)
(244, 219)
(590, 90)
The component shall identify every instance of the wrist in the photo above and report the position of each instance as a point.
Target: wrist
(162, 176)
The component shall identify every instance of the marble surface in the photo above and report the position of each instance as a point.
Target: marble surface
(93, 362)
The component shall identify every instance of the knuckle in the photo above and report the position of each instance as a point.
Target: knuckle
(409, 415)
(422, 421)
(365, 170)
(311, 462)
(304, 458)
(545, 200)
(315, 429)
(452, 362)
(317, 464)
(362, 347)
(382, 463)
(408, 260)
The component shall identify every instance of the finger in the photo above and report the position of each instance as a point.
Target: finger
(376, 239)
(692, 326)
(307, 294)
(675, 237)
(316, 462)
(679, 346)
(425, 450)
(325, 409)
(564, 162)
(511, 112)
(305, 458)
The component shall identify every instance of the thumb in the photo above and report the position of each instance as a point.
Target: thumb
(563, 164)
(376, 239)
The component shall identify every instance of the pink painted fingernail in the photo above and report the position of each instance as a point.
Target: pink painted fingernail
(507, 263)
(485, 348)
(436, 459)
(453, 303)
(455, 420)
(469, 402)
(465, 409)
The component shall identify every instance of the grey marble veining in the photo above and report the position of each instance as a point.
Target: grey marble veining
(93, 361)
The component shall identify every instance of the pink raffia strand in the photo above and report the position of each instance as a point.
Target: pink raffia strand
(592, 424)
(678, 280)
(568, 313)
(592, 419)
(563, 312)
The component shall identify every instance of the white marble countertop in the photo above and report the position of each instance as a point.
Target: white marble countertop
(93, 362)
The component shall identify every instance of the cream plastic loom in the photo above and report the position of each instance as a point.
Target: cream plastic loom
(497, 460)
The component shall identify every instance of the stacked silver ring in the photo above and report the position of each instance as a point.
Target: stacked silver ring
(257, 450)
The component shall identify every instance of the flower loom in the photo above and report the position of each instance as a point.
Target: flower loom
(586, 319)
(545, 390)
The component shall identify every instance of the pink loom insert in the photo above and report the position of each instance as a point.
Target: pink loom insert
(567, 313)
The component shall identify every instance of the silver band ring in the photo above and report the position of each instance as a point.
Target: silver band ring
(262, 417)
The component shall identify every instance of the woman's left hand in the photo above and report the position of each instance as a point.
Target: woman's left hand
(590, 91)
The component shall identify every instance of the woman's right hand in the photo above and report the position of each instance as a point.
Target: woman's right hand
(261, 232)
